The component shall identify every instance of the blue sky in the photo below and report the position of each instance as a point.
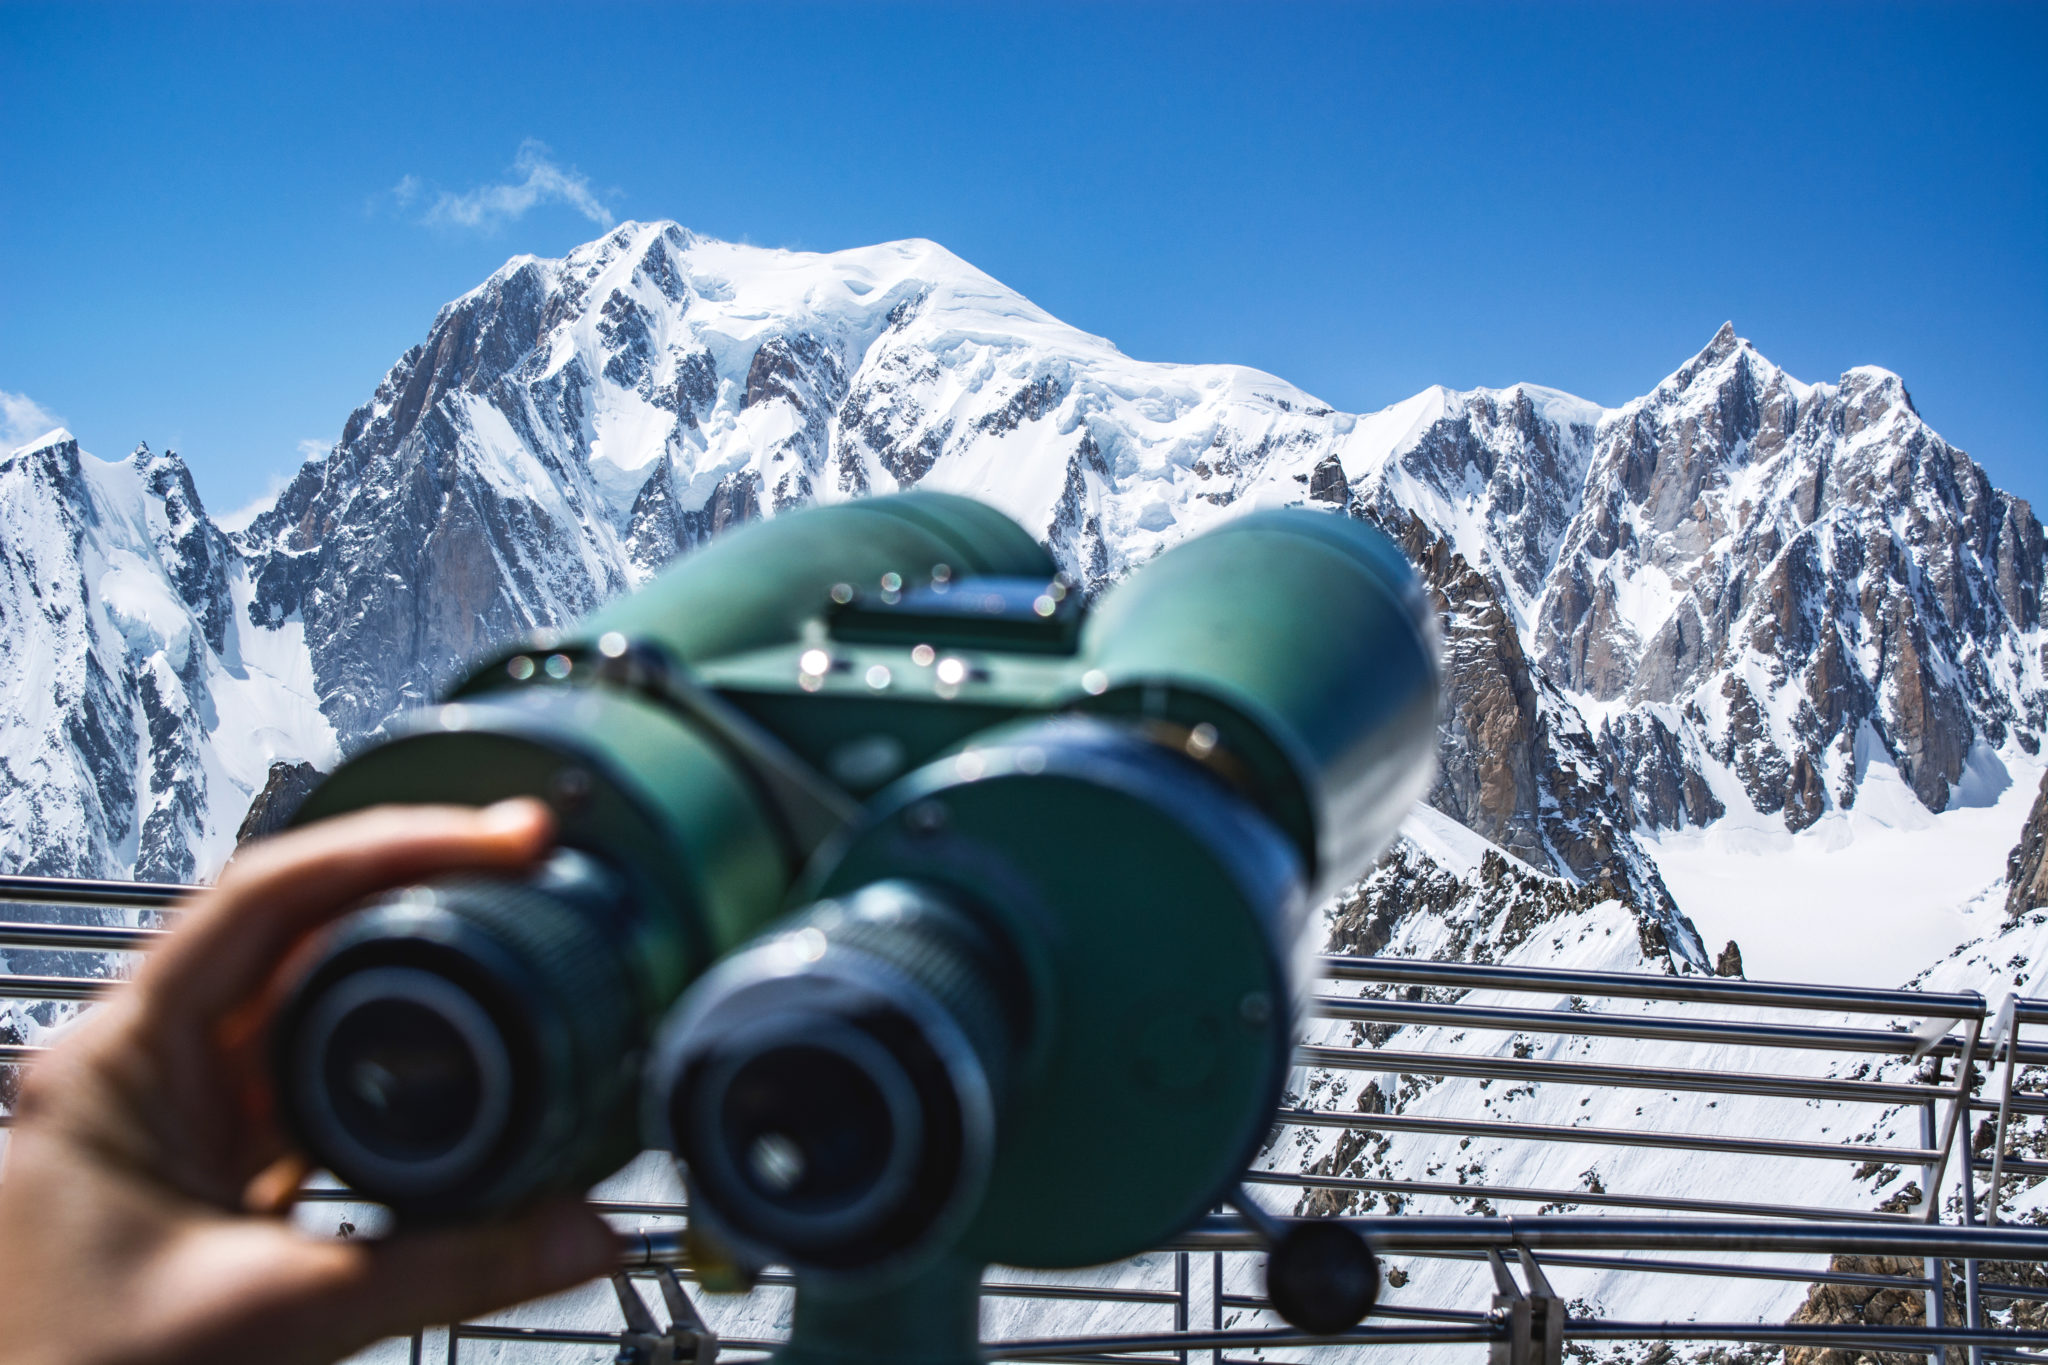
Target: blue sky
(220, 225)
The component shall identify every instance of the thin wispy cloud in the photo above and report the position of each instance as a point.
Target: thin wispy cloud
(537, 179)
(240, 517)
(22, 419)
(310, 448)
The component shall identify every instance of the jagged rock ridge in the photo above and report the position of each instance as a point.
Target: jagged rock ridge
(1737, 593)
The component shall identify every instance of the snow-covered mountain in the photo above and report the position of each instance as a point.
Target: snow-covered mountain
(1734, 603)
(144, 706)
(1744, 658)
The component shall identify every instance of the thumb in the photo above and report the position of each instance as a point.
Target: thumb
(447, 1275)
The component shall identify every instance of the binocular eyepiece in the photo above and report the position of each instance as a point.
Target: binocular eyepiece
(833, 1087)
(461, 1043)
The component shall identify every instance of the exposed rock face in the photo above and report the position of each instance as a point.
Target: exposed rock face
(1855, 1305)
(450, 516)
(1518, 765)
(1804, 577)
(2026, 871)
(1481, 916)
(285, 790)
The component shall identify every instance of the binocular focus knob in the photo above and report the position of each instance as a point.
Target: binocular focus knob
(1321, 1276)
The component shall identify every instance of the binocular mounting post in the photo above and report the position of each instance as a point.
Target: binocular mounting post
(932, 1317)
(688, 1338)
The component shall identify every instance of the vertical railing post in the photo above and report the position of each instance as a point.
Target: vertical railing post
(1180, 1304)
(1216, 1302)
(1973, 1303)
(2010, 1037)
(1930, 1178)
(1959, 1125)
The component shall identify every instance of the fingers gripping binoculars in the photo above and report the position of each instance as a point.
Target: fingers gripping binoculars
(931, 916)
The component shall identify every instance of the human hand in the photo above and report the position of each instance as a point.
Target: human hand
(142, 1211)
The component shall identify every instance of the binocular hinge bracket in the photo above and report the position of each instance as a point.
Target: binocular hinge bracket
(810, 805)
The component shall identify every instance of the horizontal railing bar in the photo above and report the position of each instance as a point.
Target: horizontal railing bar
(574, 1336)
(1777, 994)
(83, 988)
(2017, 1105)
(1523, 1195)
(1019, 1289)
(2012, 1165)
(1786, 1334)
(55, 987)
(80, 891)
(1714, 1268)
(2012, 1291)
(1431, 1233)
(1613, 1137)
(1628, 1077)
(1210, 1341)
(1379, 1310)
(1799, 1334)
(1645, 1029)
(649, 1208)
(20, 1052)
(92, 937)
(1002, 1289)
(554, 1336)
(1009, 1289)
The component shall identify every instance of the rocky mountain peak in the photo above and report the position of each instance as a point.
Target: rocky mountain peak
(1784, 565)
(55, 452)
(1869, 392)
(1740, 595)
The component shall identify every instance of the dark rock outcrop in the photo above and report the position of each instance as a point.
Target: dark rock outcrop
(283, 793)
(2026, 870)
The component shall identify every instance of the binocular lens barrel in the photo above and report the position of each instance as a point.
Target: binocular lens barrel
(824, 1126)
(463, 1045)
(833, 1086)
(412, 1079)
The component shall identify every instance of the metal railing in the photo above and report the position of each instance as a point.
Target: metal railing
(1418, 1047)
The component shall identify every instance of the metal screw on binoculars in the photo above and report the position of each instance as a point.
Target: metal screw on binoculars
(993, 903)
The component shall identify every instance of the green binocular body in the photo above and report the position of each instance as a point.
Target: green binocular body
(931, 914)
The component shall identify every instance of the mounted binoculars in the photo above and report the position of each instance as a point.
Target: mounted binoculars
(929, 915)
